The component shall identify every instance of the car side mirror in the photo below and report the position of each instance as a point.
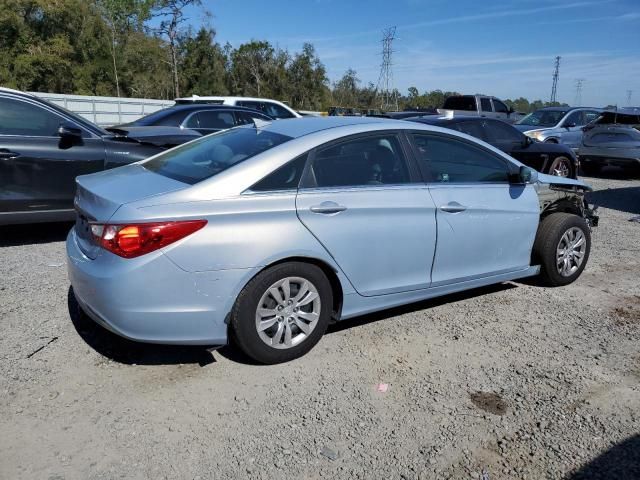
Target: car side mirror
(69, 131)
(523, 176)
(570, 125)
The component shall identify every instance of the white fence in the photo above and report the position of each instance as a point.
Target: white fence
(106, 111)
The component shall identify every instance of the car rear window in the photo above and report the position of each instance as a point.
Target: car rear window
(203, 158)
(464, 102)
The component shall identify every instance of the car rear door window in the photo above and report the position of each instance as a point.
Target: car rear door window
(216, 120)
(500, 132)
(22, 118)
(449, 160)
(472, 128)
(286, 177)
(371, 160)
(485, 105)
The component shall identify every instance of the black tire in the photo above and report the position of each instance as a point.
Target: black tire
(243, 316)
(589, 168)
(550, 232)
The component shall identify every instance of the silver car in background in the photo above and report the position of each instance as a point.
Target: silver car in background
(265, 234)
(557, 124)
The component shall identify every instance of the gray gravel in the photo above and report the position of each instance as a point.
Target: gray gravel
(512, 381)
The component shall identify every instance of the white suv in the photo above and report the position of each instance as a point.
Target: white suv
(273, 108)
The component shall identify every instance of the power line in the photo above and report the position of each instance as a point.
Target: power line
(579, 85)
(385, 87)
(556, 74)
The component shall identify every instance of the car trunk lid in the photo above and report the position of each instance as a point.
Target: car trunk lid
(100, 195)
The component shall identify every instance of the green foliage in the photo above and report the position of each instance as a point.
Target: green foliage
(106, 47)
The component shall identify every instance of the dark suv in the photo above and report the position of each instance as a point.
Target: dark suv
(44, 147)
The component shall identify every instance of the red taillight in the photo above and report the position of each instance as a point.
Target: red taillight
(133, 240)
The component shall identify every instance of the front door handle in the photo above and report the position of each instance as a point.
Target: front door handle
(328, 208)
(453, 207)
(7, 154)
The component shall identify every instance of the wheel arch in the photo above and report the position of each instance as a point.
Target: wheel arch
(328, 269)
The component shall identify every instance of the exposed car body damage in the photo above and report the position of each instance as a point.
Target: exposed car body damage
(563, 195)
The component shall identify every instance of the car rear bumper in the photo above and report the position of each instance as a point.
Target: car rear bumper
(150, 299)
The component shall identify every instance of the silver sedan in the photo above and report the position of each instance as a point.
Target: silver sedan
(266, 233)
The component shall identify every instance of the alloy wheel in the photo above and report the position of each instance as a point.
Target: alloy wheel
(287, 312)
(570, 251)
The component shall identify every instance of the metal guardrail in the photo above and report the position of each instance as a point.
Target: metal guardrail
(106, 111)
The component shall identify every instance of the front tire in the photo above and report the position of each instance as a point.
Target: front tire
(282, 312)
(562, 248)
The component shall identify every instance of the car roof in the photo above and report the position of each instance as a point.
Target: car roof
(206, 106)
(443, 119)
(225, 97)
(298, 127)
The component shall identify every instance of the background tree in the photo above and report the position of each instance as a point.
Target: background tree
(121, 16)
(172, 12)
(203, 64)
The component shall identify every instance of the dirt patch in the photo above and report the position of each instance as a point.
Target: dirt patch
(628, 313)
(489, 402)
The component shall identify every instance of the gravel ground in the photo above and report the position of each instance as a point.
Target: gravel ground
(512, 381)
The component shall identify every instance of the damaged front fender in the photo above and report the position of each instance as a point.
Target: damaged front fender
(557, 194)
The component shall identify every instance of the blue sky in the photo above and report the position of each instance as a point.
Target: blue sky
(504, 48)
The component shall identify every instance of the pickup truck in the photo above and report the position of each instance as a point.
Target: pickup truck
(479, 105)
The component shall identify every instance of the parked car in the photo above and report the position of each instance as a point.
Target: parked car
(44, 147)
(267, 234)
(612, 139)
(557, 124)
(479, 105)
(553, 159)
(271, 108)
(205, 119)
(405, 114)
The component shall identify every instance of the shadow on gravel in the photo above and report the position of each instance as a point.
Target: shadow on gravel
(414, 307)
(625, 199)
(125, 351)
(611, 173)
(15, 235)
(620, 462)
(128, 352)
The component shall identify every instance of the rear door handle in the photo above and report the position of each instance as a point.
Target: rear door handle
(328, 208)
(7, 154)
(453, 207)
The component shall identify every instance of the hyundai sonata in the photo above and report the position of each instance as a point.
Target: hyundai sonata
(267, 233)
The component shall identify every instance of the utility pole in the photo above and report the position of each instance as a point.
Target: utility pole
(629, 94)
(554, 88)
(579, 85)
(385, 87)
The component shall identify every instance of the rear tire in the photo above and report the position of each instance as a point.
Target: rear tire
(282, 312)
(562, 248)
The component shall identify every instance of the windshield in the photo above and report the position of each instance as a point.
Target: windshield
(543, 118)
(203, 158)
